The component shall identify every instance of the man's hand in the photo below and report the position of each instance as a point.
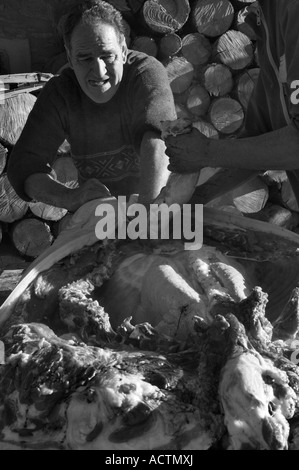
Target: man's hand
(44, 188)
(89, 190)
(187, 153)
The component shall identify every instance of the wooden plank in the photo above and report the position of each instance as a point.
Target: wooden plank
(25, 77)
(22, 89)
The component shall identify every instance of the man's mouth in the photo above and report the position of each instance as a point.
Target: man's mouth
(98, 83)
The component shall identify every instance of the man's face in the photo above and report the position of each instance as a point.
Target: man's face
(97, 57)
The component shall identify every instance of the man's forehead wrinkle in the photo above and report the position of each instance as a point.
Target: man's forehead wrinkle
(83, 48)
(82, 45)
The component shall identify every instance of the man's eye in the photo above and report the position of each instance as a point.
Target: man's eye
(84, 59)
(109, 59)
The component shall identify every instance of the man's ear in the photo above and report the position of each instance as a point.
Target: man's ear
(124, 51)
(68, 54)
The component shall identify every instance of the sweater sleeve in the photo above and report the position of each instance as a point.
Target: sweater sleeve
(152, 100)
(291, 67)
(43, 133)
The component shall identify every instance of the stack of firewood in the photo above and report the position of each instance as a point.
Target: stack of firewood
(210, 56)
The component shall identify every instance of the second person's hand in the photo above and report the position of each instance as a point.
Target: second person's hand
(187, 152)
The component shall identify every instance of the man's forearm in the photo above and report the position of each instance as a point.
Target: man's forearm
(154, 172)
(277, 150)
(42, 187)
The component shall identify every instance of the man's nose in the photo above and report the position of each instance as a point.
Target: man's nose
(99, 66)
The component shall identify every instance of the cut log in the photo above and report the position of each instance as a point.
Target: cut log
(180, 74)
(31, 237)
(145, 44)
(249, 198)
(196, 48)
(46, 211)
(166, 16)
(241, 25)
(3, 158)
(13, 116)
(245, 84)
(288, 197)
(169, 45)
(218, 80)
(198, 101)
(12, 208)
(233, 49)
(206, 128)
(277, 215)
(226, 115)
(212, 17)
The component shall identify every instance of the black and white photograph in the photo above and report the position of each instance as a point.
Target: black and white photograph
(149, 228)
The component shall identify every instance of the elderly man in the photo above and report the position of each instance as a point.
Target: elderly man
(109, 105)
(271, 140)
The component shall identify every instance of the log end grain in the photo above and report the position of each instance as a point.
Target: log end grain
(145, 44)
(233, 49)
(226, 115)
(196, 48)
(31, 237)
(198, 101)
(206, 128)
(169, 45)
(212, 17)
(218, 79)
(166, 16)
(180, 74)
